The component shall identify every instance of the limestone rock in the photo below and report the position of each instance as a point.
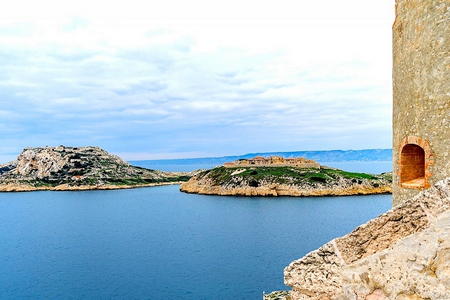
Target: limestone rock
(402, 255)
(68, 168)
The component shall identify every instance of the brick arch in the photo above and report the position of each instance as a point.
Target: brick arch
(415, 158)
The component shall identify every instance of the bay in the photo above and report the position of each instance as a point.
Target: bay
(159, 243)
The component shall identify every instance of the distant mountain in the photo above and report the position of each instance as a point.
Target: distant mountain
(320, 156)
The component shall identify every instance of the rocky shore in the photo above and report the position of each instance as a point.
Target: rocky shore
(78, 168)
(67, 187)
(285, 181)
(404, 254)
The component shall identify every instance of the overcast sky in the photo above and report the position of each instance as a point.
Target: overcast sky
(173, 79)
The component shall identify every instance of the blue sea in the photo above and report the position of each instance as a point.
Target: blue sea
(159, 243)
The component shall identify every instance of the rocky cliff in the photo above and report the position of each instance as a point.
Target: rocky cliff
(72, 168)
(403, 254)
(285, 181)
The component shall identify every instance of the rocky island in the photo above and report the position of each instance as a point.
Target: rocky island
(278, 176)
(77, 168)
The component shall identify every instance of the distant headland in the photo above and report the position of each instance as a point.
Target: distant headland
(78, 168)
(278, 176)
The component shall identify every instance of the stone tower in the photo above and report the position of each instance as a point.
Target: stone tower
(421, 83)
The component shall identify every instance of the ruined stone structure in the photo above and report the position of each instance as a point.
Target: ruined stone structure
(273, 161)
(421, 82)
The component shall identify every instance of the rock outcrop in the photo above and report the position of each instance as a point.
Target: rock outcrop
(403, 254)
(285, 181)
(77, 168)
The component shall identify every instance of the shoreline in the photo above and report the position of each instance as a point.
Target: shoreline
(286, 195)
(283, 192)
(22, 188)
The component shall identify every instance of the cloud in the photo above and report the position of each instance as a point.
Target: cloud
(142, 79)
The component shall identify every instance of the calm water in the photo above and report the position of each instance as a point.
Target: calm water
(158, 243)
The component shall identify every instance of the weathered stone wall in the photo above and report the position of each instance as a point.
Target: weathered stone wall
(296, 165)
(421, 85)
(274, 161)
(402, 255)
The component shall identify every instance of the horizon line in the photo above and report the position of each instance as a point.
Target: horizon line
(255, 153)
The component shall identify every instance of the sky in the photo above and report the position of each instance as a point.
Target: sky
(177, 79)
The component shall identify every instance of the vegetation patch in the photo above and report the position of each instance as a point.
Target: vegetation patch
(255, 176)
(40, 183)
(349, 175)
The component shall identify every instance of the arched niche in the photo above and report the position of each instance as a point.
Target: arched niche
(414, 160)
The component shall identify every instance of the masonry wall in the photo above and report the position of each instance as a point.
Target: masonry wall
(421, 86)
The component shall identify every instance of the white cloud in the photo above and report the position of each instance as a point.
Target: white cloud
(134, 69)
